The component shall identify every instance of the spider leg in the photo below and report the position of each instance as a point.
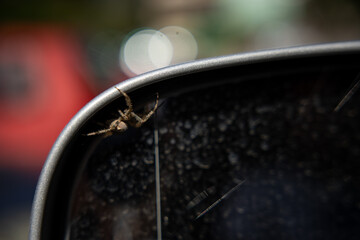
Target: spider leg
(139, 120)
(99, 132)
(142, 120)
(128, 102)
(124, 116)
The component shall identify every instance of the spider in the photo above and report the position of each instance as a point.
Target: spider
(128, 117)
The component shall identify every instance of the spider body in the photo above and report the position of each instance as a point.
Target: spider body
(118, 126)
(127, 118)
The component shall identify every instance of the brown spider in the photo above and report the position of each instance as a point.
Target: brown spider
(128, 117)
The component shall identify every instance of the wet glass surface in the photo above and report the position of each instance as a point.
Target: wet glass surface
(247, 160)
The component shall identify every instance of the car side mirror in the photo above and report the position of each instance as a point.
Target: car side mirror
(243, 146)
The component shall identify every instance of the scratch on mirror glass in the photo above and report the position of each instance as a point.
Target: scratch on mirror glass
(200, 197)
(219, 200)
(349, 94)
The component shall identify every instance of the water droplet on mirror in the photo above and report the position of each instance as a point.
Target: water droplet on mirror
(222, 126)
(187, 124)
(149, 141)
(233, 158)
(181, 146)
(202, 163)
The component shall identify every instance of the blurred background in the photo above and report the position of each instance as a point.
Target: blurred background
(55, 56)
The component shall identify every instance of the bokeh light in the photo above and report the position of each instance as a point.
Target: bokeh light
(145, 50)
(148, 49)
(184, 44)
(160, 50)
